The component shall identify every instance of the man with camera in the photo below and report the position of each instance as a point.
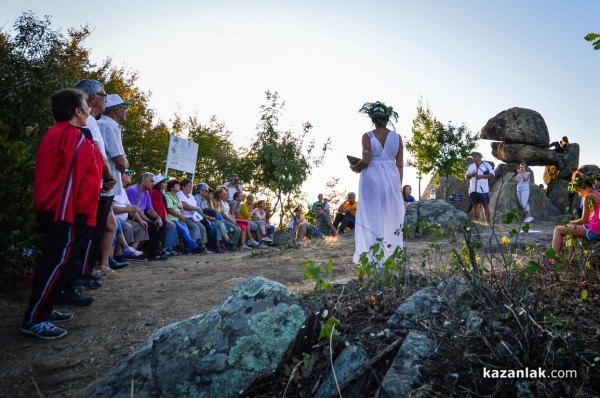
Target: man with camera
(478, 174)
(233, 185)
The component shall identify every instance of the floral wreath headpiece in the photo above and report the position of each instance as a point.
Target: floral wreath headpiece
(583, 181)
(379, 111)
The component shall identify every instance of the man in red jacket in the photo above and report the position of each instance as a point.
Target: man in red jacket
(68, 175)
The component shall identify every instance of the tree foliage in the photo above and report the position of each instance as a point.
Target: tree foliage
(281, 161)
(35, 62)
(437, 148)
(593, 38)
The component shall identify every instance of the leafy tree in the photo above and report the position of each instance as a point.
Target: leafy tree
(217, 158)
(594, 38)
(35, 62)
(280, 160)
(437, 148)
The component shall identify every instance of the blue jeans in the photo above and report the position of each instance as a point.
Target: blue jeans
(184, 232)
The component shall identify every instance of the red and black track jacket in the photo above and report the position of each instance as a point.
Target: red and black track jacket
(68, 174)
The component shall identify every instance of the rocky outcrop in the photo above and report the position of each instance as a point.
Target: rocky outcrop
(215, 354)
(454, 190)
(558, 193)
(523, 137)
(423, 215)
(517, 125)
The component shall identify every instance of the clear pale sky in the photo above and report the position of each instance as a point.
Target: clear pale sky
(467, 59)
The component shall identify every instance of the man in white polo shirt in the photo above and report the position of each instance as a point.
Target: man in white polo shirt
(478, 174)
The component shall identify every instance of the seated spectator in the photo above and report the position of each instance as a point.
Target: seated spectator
(586, 227)
(259, 215)
(193, 213)
(406, 194)
(131, 225)
(314, 205)
(243, 223)
(159, 203)
(214, 217)
(175, 213)
(324, 226)
(233, 230)
(245, 213)
(560, 146)
(326, 207)
(139, 195)
(223, 241)
(346, 214)
(204, 201)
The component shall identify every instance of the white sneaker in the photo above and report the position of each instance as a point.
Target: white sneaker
(262, 246)
(268, 240)
(528, 219)
(131, 250)
(252, 243)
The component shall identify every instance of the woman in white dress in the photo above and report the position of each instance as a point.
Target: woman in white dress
(380, 212)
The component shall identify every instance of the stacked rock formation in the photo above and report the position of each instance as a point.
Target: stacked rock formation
(522, 136)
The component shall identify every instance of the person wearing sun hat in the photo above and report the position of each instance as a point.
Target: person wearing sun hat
(109, 125)
(478, 174)
(160, 207)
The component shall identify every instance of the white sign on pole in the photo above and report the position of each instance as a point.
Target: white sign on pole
(182, 155)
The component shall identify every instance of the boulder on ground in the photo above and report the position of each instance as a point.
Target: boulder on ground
(517, 125)
(423, 215)
(215, 354)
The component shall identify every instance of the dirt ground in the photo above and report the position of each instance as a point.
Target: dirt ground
(135, 301)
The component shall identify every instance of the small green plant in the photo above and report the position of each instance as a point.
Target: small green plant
(328, 328)
(313, 271)
(379, 265)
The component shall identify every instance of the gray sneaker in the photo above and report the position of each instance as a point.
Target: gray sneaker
(57, 316)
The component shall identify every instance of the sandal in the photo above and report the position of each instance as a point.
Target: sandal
(105, 269)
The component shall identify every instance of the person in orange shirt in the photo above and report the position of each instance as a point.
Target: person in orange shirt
(346, 213)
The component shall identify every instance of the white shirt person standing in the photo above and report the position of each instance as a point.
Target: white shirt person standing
(478, 174)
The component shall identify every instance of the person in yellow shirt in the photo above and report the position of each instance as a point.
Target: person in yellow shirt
(245, 213)
(346, 214)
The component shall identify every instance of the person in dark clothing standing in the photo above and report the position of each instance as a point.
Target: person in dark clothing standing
(68, 175)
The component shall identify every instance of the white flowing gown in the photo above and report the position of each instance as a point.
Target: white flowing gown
(380, 212)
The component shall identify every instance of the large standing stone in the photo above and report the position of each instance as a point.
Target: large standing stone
(215, 354)
(570, 157)
(517, 125)
(558, 193)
